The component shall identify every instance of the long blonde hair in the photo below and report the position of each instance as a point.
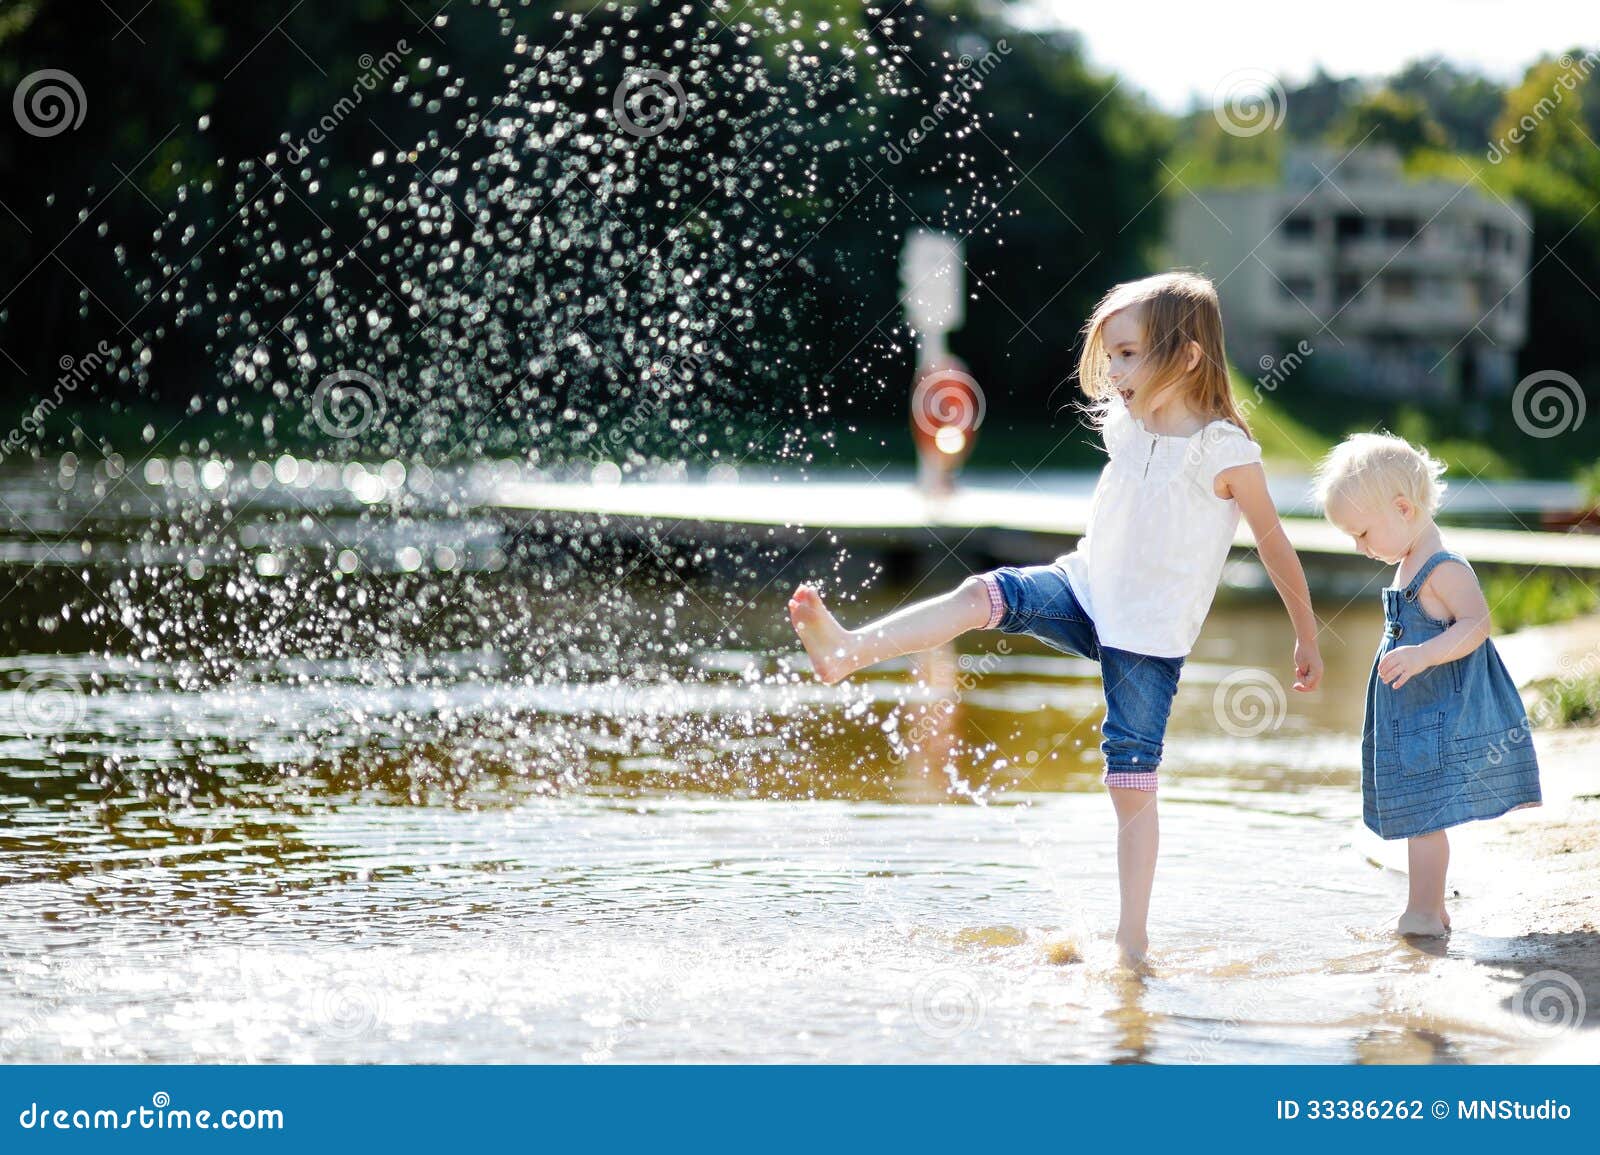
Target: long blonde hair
(1178, 307)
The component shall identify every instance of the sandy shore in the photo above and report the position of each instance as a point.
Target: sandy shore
(1558, 843)
(1536, 874)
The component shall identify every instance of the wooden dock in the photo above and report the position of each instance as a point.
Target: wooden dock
(891, 510)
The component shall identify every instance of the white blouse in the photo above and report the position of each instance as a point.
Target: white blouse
(1147, 568)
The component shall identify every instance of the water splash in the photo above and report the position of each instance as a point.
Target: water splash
(577, 274)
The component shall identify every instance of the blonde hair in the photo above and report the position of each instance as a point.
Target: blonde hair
(1372, 469)
(1176, 308)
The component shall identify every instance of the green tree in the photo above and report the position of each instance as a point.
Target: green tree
(1389, 117)
(1465, 104)
(1543, 121)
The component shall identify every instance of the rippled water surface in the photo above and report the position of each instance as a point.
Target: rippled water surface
(233, 851)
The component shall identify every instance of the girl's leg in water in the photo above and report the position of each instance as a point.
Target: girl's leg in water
(1035, 600)
(1138, 839)
(836, 652)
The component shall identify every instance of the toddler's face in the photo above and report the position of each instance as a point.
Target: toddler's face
(1385, 532)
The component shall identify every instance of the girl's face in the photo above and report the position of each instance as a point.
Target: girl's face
(1122, 335)
(1385, 532)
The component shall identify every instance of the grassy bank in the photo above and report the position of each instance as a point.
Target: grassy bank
(1571, 701)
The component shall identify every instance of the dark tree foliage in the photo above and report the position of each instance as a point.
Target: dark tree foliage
(1065, 156)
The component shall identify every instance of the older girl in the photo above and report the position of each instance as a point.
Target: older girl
(1182, 468)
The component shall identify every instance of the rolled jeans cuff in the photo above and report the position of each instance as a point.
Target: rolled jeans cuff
(1131, 779)
(997, 602)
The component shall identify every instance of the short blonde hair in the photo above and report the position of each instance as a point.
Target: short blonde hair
(1372, 469)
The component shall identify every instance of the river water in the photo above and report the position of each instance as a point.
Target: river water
(282, 858)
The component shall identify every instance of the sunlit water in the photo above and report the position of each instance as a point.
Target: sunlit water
(305, 755)
(466, 861)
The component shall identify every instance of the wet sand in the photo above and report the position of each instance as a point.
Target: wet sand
(1559, 842)
(1537, 872)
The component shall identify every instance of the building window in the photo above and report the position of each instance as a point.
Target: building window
(1400, 228)
(1346, 286)
(1399, 287)
(1298, 288)
(1348, 226)
(1299, 227)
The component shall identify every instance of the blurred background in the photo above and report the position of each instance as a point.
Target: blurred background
(1088, 152)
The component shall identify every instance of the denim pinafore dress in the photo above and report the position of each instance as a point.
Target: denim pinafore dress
(1450, 746)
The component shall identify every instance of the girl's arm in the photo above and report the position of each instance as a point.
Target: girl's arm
(1247, 484)
(1457, 588)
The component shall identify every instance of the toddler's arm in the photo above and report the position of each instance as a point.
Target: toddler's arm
(1457, 588)
(1247, 485)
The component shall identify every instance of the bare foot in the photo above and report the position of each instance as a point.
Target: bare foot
(1434, 925)
(1132, 951)
(828, 644)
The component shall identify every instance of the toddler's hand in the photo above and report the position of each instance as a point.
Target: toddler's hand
(1400, 665)
(1307, 666)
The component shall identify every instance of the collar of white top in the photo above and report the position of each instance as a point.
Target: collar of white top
(1139, 425)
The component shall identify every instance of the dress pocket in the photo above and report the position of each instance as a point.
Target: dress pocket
(1420, 746)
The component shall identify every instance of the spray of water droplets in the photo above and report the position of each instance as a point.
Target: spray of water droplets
(578, 275)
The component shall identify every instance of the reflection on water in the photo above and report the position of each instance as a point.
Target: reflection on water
(446, 853)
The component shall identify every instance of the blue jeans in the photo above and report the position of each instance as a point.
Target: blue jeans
(1038, 601)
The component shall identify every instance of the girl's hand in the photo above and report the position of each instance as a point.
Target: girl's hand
(1400, 665)
(1307, 666)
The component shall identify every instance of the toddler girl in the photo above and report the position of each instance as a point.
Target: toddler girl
(1134, 594)
(1446, 738)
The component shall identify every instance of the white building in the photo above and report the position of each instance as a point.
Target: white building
(1399, 286)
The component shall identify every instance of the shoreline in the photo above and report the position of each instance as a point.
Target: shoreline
(1527, 886)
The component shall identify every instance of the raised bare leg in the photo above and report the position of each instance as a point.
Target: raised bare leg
(1138, 840)
(836, 652)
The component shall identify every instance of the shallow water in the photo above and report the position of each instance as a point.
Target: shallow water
(297, 863)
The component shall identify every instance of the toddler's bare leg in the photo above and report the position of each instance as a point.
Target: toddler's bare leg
(1429, 859)
(836, 652)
